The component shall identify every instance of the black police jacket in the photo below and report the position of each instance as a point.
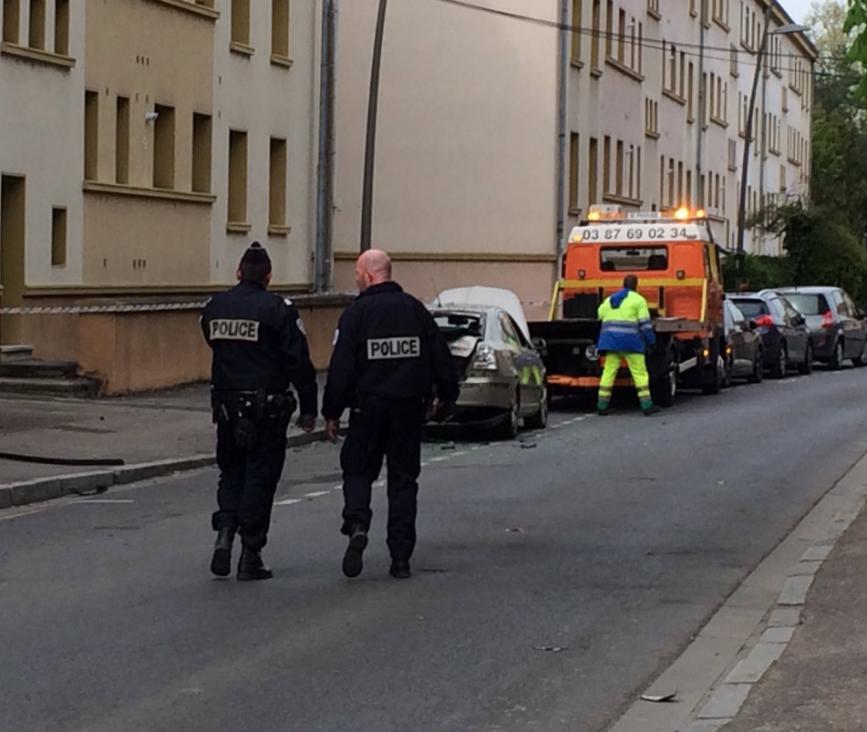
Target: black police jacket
(258, 342)
(388, 345)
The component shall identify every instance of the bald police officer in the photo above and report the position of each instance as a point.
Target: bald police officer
(259, 349)
(389, 360)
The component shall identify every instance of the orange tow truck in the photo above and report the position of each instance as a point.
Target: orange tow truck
(677, 263)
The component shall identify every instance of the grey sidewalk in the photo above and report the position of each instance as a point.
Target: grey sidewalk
(153, 434)
(820, 682)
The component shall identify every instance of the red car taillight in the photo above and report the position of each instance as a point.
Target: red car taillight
(827, 319)
(765, 321)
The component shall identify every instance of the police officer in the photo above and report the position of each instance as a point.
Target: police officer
(259, 348)
(626, 331)
(389, 362)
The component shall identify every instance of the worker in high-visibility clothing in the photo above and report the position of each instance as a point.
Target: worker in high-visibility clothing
(626, 332)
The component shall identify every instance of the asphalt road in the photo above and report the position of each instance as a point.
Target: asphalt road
(612, 539)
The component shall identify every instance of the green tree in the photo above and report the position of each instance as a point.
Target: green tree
(855, 26)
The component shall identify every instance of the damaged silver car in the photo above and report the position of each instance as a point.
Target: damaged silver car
(502, 375)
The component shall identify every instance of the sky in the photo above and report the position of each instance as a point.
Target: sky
(798, 9)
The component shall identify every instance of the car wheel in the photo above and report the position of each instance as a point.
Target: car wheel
(806, 368)
(836, 362)
(539, 421)
(758, 369)
(779, 369)
(860, 360)
(508, 430)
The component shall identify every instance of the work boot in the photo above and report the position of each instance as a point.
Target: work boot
(400, 569)
(221, 563)
(651, 410)
(251, 566)
(602, 411)
(353, 561)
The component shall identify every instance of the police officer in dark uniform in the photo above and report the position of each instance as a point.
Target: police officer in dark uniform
(259, 349)
(391, 366)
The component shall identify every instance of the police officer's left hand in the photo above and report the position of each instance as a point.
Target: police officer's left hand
(306, 422)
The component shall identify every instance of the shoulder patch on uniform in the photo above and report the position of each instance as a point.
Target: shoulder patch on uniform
(336, 337)
(288, 301)
(301, 326)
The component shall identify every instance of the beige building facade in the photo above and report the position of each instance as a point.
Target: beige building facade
(143, 145)
(468, 158)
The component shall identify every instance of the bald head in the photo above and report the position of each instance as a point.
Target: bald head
(372, 268)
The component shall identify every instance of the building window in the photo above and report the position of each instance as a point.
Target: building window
(164, 147)
(621, 36)
(672, 81)
(594, 35)
(606, 164)
(121, 141)
(237, 177)
(61, 27)
(201, 153)
(11, 20)
(609, 29)
(37, 24)
(651, 117)
(241, 22)
(618, 172)
(690, 84)
(576, 32)
(277, 187)
(573, 172)
(733, 61)
(58, 237)
(688, 193)
(592, 171)
(91, 135)
(280, 28)
(653, 8)
(733, 155)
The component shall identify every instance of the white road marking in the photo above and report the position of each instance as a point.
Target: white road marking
(438, 459)
(288, 502)
(459, 454)
(316, 494)
(104, 500)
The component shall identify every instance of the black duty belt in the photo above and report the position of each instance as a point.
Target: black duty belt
(257, 405)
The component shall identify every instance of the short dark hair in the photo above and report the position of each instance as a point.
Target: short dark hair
(630, 282)
(255, 265)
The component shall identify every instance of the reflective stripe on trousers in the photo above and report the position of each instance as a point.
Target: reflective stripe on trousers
(640, 377)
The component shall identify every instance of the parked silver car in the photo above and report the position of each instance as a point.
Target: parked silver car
(502, 375)
(837, 328)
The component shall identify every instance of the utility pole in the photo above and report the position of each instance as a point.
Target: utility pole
(699, 188)
(370, 141)
(325, 168)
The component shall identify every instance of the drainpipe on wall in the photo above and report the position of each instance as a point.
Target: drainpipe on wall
(561, 134)
(763, 151)
(325, 170)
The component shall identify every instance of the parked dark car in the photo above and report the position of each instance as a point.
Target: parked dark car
(745, 358)
(785, 338)
(837, 328)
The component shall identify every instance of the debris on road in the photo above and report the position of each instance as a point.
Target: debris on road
(659, 698)
(515, 530)
(549, 649)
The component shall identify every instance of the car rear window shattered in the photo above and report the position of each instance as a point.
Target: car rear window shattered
(458, 325)
(752, 308)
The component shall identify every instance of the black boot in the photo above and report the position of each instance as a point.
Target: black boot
(651, 410)
(221, 563)
(251, 566)
(400, 569)
(353, 561)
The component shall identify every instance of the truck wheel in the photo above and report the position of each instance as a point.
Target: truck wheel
(713, 377)
(663, 388)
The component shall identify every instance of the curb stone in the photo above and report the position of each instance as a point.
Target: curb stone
(37, 490)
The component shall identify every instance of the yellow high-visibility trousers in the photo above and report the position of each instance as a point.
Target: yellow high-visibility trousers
(638, 369)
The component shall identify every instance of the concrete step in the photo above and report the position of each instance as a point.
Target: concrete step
(34, 369)
(69, 387)
(15, 353)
